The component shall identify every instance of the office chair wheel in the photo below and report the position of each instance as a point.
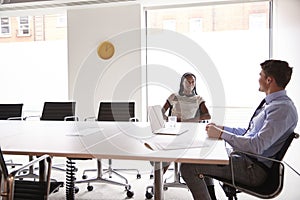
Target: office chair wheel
(84, 176)
(148, 195)
(90, 188)
(151, 176)
(138, 176)
(129, 194)
(165, 188)
(76, 190)
(230, 192)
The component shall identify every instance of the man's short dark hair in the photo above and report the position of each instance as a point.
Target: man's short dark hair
(279, 70)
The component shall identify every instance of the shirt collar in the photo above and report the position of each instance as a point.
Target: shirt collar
(274, 95)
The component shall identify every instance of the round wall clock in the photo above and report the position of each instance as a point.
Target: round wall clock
(106, 50)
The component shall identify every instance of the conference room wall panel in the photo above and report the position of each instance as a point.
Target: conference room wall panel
(92, 79)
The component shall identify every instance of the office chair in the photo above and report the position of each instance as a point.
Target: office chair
(112, 111)
(12, 189)
(272, 185)
(53, 111)
(11, 112)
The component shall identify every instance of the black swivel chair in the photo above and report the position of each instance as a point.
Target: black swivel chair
(11, 112)
(112, 111)
(53, 111)
(59, 111)
(273, 184)
(13, 189)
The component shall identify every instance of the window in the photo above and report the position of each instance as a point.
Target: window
(61, 21)
(228, 53)
(257, 21)
(34, 69)
(169, 24)
(5, 26)
(24, 28)
(195, 25)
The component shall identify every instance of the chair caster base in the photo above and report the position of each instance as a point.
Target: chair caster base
(148, 195)
(129, 194)
(90, 188)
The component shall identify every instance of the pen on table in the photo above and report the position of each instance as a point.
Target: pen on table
(148, 146)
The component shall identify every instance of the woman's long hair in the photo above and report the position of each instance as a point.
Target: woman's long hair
(181, 88)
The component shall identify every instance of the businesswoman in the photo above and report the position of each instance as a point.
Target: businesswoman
(186, 105)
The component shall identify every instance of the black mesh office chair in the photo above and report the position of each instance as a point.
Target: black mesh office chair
(11, 112)
(53, 111)
(112, 111)
(12, 189)
(59, 111)
(272, 185)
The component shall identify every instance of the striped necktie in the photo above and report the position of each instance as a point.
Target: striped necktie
(254, 114)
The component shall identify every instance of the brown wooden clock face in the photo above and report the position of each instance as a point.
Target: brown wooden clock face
(106, 50)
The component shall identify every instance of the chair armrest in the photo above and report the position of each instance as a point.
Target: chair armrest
(73, 118)
(90, 119)
(32, 116)
(15, 118)
(31, 163)
(133, 119)
(237, 152)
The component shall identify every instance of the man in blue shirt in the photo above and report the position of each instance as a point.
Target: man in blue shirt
(271, 124)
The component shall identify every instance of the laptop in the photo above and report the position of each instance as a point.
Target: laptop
(157, 122)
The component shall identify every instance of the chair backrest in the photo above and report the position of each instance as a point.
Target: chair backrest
(116, 111)
(3, 168)
(10, 111)
(58, 111)
(274, 183)
(289, 140)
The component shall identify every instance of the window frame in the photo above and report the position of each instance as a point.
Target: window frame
(23, 26)
(8, 25)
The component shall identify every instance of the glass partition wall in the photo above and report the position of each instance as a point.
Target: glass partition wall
(222, 44)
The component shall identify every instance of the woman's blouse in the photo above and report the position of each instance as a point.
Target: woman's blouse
(185, 107)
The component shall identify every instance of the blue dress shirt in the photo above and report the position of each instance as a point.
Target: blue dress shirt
(269, 128)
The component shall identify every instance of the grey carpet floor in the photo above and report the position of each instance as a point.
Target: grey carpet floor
(102, 191)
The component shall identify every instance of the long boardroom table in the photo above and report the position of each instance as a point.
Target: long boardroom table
(112, 140)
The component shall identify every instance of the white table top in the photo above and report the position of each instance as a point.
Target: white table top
(115, 140)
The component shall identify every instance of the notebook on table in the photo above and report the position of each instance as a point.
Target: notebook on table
(157, 122)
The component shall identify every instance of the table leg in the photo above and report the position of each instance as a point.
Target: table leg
(42, 171)
(70, 179)
(158, 181)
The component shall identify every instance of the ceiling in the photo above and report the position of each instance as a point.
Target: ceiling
(20, 1)
(11, 5)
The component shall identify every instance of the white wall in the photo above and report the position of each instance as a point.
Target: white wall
(92, 79)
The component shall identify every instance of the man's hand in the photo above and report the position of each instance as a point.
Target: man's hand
(213, 130)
